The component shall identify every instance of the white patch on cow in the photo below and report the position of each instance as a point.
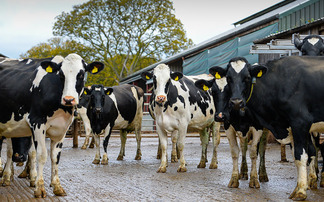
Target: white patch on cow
(162, 75)
(14, 128)
(58, 124)
(29, 61)
(71, 66)
(288, 139)
(221, 83)
(317, 127)
(238, 65)
(97, 89)
(200, 76)
(41, 72)
(313, 40)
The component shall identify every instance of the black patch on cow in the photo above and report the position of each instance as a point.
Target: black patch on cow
(211, 111)
(191, 116)
(183, 86)
(58, 158)
(175, 108)
(195, 108)
(59, 145)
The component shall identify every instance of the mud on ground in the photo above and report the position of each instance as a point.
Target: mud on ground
(131, 180)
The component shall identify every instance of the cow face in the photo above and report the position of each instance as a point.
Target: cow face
(161, 81)
(311, 45)
(220, 92)
(20, 146)
(98, 97)
(71, 71)
(240, 76)
(85, 98)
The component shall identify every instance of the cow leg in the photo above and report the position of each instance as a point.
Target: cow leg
(204, 138)
(105, 144)
(30, 168)
(158, 153)
(321, 146)
(92, 143)
(41, 152)
(283, 153)
(254, 181)
(216, 140)
(301, 143)
(182, 134)
(312, 176)
(244, 168)
(56, 148)
(164, 145)
(123, 138)
(1, 169)
(97, 143)
(138, 141)
(174, 151)
(231, 136)
(87, 127)
(7, 174)
(263, 176)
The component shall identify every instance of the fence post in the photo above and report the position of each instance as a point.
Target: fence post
(75, 133)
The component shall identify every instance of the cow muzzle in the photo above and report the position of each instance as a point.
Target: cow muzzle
(69, 101)
(19, 158)
(236, 103)
(160, 99)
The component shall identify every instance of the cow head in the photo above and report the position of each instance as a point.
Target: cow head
(71, 70)
(240, 76)
(20, 147)
(219, 90)
(311, 45)
(97, 98)
(85, 98)
(162, 77)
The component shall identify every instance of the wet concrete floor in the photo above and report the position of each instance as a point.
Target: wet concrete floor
(132, 180)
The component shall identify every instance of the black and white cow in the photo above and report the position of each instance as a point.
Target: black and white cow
(312, 45)
(37, 98)
(243, 128)
(82, 111)
(178, 105)
(287, 94)
(118, 108)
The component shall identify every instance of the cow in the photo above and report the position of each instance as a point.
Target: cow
(244, 128)
(178, 105)
(119, 108)
(284, 94)
(38, 98)
(312, 45)
(82, 111)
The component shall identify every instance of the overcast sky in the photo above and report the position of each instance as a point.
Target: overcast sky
(26, 23)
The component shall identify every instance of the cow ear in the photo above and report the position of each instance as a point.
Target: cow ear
(298, 43)
(176, 76)
(146, 76)
(94, 67)
(257, 71)
(203, 84)
(217, 72)
(50, 67)
(108, 91)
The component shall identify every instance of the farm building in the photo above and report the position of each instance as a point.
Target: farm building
(277, 22)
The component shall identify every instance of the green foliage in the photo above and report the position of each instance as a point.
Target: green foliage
(126, 35)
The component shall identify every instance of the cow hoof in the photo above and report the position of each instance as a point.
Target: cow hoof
(182, 169)
(138, 157)
(201, 165)
(174, 159)
(104, 162)
(312, 184)
(59, 191)
(91, 146)
(158, 156)
(120, 158)
(213, 166)
(96, 161)
(263, 178)
(322, 180)
(161, 170)
(244, 176)
(5, 182)
(23, 174)
(20, 164)
(40, 193)
(254, 183)
(84, 147)
(298, 194)
(234, 182)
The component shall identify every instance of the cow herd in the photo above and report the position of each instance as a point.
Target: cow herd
(40, 96)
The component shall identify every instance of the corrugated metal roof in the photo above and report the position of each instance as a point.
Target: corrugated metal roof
(254, 22)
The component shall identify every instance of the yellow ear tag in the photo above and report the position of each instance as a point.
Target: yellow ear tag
(49, 69)
(95, 70)
(176, 79)
(85, 92)
(259, 74)
(205, 88)
(147, 77)
(217, 76)
(108, 93)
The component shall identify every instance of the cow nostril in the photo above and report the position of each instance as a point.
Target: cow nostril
(237, 103)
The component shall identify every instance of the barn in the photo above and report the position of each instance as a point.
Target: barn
(272, 25)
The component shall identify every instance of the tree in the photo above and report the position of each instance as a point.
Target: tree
(58, 46)
(125, 33)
